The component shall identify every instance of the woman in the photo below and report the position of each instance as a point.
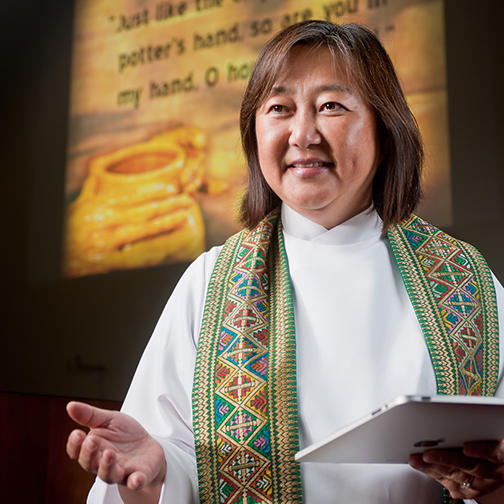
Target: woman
(334, 160)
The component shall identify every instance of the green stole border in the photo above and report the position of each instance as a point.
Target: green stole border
(244, 393)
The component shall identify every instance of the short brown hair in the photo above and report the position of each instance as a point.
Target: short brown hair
(396, 185)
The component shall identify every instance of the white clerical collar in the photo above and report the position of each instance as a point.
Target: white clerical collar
(362, 227)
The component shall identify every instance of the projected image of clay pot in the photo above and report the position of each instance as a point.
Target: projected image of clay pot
(136, 173)
(136, 207)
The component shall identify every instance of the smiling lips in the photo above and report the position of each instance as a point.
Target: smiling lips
(306, 168)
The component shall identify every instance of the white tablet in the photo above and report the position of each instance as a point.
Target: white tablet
(411, 424)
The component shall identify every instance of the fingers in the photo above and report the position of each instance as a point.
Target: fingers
(89, 455)
(92, 458)
(85, 449)
(461, 463)
(492, 451)
(74, 443)
(136, 481)
(438, 471)
(109, 469)
(89, 416)
(465, 477)
(450, 477)
(103, 463)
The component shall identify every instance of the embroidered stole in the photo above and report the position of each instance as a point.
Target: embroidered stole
(452, 291)
(244, 395)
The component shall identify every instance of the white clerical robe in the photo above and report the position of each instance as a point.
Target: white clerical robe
(359, 345)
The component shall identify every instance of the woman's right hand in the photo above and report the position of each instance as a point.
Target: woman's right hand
(119, 450)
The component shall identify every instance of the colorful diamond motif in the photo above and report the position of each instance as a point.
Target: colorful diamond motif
(247, 318)
(222, 409)
(239, 386)
(263, 482)
(259, 366)
(462, 303)
(472, 289)
(262, 441)
(249, 288)
(261, 336)
(222, 371)
(461, 259)
(450, 274)
(241, 425)
(259, 402)
(226, 489)
(414, 239)
(450, 318)
(230, 306)
(226, 338)
(439, 290)
(244, 465)
(224, 449)
(241, 351)
(437, 247)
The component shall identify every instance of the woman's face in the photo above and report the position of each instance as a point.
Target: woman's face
(317, 139)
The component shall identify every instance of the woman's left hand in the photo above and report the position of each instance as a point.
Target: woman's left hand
(474, 472)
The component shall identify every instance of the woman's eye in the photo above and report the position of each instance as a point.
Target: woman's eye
(332, 107)
(278, 108)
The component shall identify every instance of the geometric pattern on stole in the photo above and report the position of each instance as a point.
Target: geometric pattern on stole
(452, 291)
(244, 394)
(453, 294)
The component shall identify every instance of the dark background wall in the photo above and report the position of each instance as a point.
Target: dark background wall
(83, 337)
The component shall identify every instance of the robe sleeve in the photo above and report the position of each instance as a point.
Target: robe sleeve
(159, 396)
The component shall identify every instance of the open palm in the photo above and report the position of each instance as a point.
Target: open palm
(116, 448)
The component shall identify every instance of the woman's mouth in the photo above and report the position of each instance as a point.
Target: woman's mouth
(309, 167)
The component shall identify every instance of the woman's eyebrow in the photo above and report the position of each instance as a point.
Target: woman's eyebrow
(340, 88)
(277, 90)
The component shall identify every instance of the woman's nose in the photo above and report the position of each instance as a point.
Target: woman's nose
(304, 131)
